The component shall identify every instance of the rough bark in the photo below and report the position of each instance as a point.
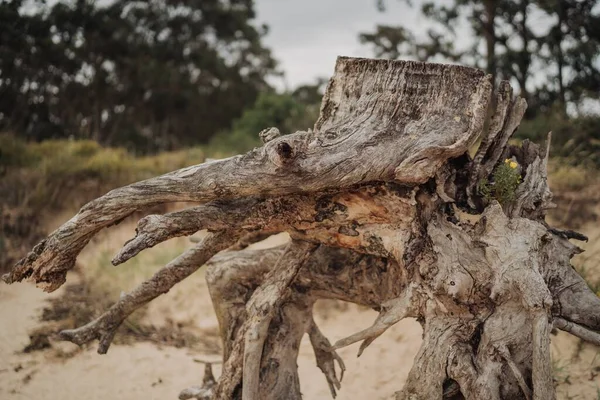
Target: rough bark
(383, 205)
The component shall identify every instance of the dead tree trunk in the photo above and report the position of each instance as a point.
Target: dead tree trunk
(386, 209)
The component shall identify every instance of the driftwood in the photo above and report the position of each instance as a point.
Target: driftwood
(386, 209)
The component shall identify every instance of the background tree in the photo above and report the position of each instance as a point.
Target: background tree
(288, 111)
(145, 74)
(506, 41)
(571, 50)
(550, 49)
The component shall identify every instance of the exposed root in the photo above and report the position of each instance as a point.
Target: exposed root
(543, 384)
(467, 379)
(391, 312)
(244, 355)
(428, 374)
(325, 358)
(578, 330)
(249, 239)
(231, 374)
(569, 234)
(204, 392)
(154, 229)
(260, 309)
(505, 353)
(105, 326)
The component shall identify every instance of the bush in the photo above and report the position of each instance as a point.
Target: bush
(575, 140)
(283, 111)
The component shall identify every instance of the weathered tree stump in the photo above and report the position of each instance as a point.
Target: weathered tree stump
(386, 209)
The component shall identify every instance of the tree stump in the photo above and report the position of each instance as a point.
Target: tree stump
(386, 208)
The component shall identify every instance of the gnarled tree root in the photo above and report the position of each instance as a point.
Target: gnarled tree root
(386, 179)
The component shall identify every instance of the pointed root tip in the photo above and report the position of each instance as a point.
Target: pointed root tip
(360, 351)
(7, 278)
(68, 335)
(364, 345)
(120, 258)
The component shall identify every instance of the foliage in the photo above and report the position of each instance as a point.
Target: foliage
(289, 112)
(505, 181)
(144, 75)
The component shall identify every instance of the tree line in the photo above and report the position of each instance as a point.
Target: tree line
(550, 48)
(148, 75)
(158, 75)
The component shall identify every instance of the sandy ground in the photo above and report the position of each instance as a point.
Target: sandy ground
(147, 371)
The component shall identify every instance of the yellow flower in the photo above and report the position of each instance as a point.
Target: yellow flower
(507, 161)
(513, 164)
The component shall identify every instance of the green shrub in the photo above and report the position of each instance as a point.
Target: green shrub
(505, 181)
(13, 153)
(283, 111)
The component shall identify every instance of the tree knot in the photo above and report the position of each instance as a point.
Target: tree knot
(285, 151)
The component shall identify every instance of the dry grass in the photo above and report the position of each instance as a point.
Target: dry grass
(564, 177)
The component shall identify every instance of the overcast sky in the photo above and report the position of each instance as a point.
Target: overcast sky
(306, 36)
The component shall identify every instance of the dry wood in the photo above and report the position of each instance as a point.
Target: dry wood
(105, 326)
(326, 358)
(261, 307)
(382, 203)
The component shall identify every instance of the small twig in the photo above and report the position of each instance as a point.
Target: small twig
(568, 234)
(204, 392)
(200, 360)
(577, 330)
(392, 312)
